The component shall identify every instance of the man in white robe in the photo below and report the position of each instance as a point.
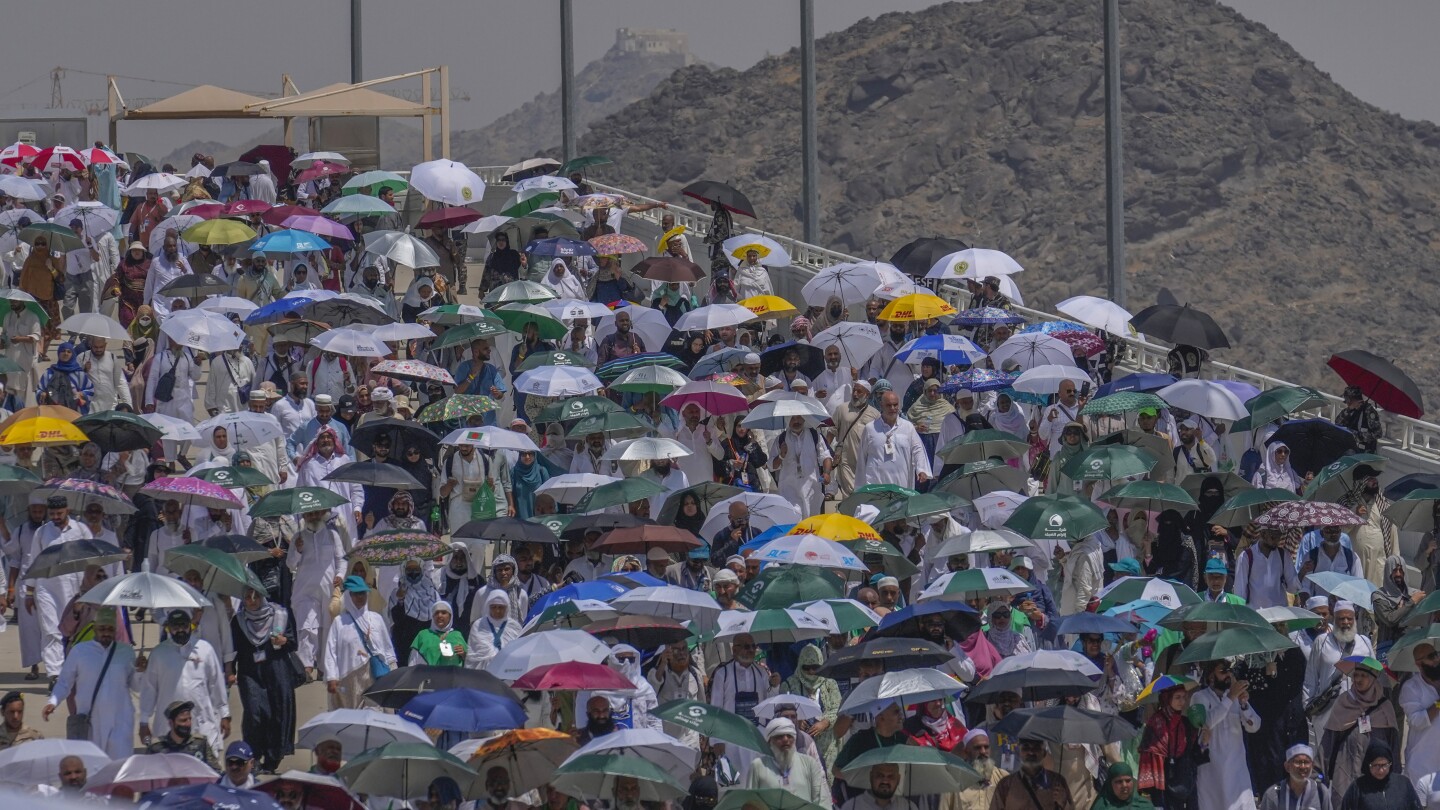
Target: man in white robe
(181, 404)
(1224, 782)
(698, 466)
(668, 475)
(107, 700)
(270, 457)
(330, 374)
(318, 559)
(1420, 701)
(53, 593)
(22, 339)
(184, 667)
(311, 471)
(358, 634)
(23, 541)
(890, 450)
(801, 463)
(170, 534)
(834, 377)
(296, 408)
(107, 372)
(165, 268)
(883, 365)
(588, 459)
(1344, 639)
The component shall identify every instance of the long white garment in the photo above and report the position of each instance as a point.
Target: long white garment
(113, 726)
(670, 685)
(108, 374)
(1224, 782)
(162, 272)
(192, 673)
(162, 540)
(182, 396)
(798, 473)
(1084, 574)
(312, 474)
(31, 639)
(229, 372)
(952, 427)
(752, 280)
(890, 454)
(317, 558)
(673, 482)
(1320, 664)
(271, 459)
(698, 466)
(1265, 580)
(52, 594)
(487, 639)
(345, 652)
(733, 686)
(293, 415)
(1422, 744)
(21, 324)
(328, 376)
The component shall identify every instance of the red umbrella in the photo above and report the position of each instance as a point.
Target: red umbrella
(448, 217)
(277, 215)
(1379, 379)
(245, 208)
(571, 676)
(320, 169)
(640, 539)
(17, 153)
(57, 157)
(1299, 514)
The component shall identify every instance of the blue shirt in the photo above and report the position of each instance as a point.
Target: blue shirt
(488, 377)
(296, 444)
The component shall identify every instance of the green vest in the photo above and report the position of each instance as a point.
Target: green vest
(427, 643)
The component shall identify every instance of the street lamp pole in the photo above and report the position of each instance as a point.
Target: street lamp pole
(1114, 189)
(810, 161)
(567, 77)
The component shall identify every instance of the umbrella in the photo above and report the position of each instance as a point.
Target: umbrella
(1031, 349)
(671, 602)
(1079, 624)
(641, 632)
(195, 285)
(448, 217)
(842, 615)
(506, 529)
(1056, 517)
(918, 506)
(61, 238)
(529, 755)
(576, 615)
(922, 771)
(359, 729)
(973, 263)
(809, 549)
(1277, 403)
(982, 445)
(1216, 614)
(1339, 478)
(550, 647)
(203, 331)
(1097, 312)
(713, 398)
(769, 307)
(220, 572)
(1047, 379)
(80, 493)
(851, 282)
(771, 625)
(570, 309)
(296, 501)
(41, 430)
(375, 180)
(38, 761)
(349, 308)
(916, 307)
(1410, 482)
(784, 586)
(619, 493)
(916, 258)
(447, 181)
(649, 380)
(289, 241)
(403, 770)
(1401, 657)
(142, 589)
(1299, 514)
(1293, 618)
(766, 510)
(982, 541)
(239, 546)
(1204, 398)
(228, 305)
(1233, 642)
(1035, 683)
(978, 380)
(1128, 589)
(557, 382)
(245, 429)
(713, 316)
(1066, 724)
(461, 709)
(394, 690)
(713, 722)
(394, 547)
(950, 350)
(401, 248)
(582, 525)
(640, 539)
(193, 491)
(140, 773)
(1121, 403)
(572, 676)
(1149, 496)
(776, 416)
(858, 342)
(1314, 443)
(1109, 461)
(520, 292)
(350, 343)
(1414, 511)
(218, 231)
(646, 449)
(595, 775)
(893, 653)
(413, 370)
(771, 253)
(73, 557)
(908, 686)
(571, 487)
(357, 205)
(31, 305)
(402, 434)
(96, 219)
(1379, 380)
(1173, 323)
(1344, 587)
(1247, 505)
(320, 792)
(17, 480)
(669, 269)
(837, 527)
(960, 620)
(375, 474)
(976, 582)
(726, 196)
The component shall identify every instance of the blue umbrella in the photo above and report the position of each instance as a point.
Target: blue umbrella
(207, 796)
(977, 380)
(1077, 624)
(986, 316)
(950, 350)
(468, 710)
(1051, 327)
(289, 241)
(766, 536)
(275, 311)
(1344, 586)
(633, 579)
(559, 246)
(600, 590)
(717, 362)
(1025, 397)
(1134, 382)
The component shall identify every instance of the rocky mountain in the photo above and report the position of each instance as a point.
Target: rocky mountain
(1256, 187)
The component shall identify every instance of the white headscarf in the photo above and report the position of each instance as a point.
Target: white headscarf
(1274, 474)
(630, 669)
(450, 625)
(566, 286)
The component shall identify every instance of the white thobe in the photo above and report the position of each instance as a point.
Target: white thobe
(182, 396)
(52, 594)
(1265, 580)
(487, 639)
(113, 728)
(828, 382)
(585, 462)
(673, 482)
(1051, 430)
(1422, 744)
(108, 374)
(31, 639)
(21, 324)
(271, 459)
(162, 272)
(162, 540)
(952, 427)
(313, 473)
(192, 673)
(733, 679)
(698, 466)
(890, 454)
(884, 366)
(1084, 574)
(1224, 782)
(752, 280)
(228, 374)
(344, 651)
(798, 474)
(328, 377)
(293, 415)
(1320, 664)
(318, 557)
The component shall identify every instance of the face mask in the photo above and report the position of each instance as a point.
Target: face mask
(835, 312)
(414, 576)
(592, 556)
(146, 321)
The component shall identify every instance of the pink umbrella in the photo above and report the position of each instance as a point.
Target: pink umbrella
(247, 207)
(572, 676)
(209, 210)
(413, 370)
(320, 169)
(57, 157)
(714, 398)
(1297, 514)
(318, 225)
(193, 491)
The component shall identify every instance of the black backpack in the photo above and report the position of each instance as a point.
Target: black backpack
(61, 391)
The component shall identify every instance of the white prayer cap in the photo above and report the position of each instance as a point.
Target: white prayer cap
(1298, 749)
(324, 399)
(972, 735)
(1344, 606)
(382, 394)
(1317, 601)
(751, 359)
(778, 726)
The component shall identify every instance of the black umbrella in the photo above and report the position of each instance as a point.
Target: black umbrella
(1180, 325)
(641, 632)
(1314, 443)
(723, 194)
(1379, 379)
(195, 285)
(394, 690)
(375, 474)
(812, 358)
(341, 312)
(244, 548)
(73, 557)
(915, 258)
(402, 434)
(1409, 483)
(708, 493)
(600, 522)
(238, 168)
(506, 529)
(1032, 684)
(116, 431)
(1065, 724)
(892, 653)
(960, 620)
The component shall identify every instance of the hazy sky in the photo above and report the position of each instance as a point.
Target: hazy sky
(503, 53)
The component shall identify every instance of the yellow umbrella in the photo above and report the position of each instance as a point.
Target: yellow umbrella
(837, 527)
(769, 306)
(916, 307)
(667, 236)
(42, 430)
(218, 232)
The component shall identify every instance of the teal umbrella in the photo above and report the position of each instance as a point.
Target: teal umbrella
(979, 445)
(620, 493)
(1123, 402)
(1056, 517)
(877, 495)
(979, 478)
(785, 586)
(1249, 504)
(1234, 642)
(1150, 496)
(930, 503)
(1277, 403)
(713, 722)
(576, 408)
(614, 424)
(1414, 511)
(583, 162)
(296, 501)
(1337, 479)
(555, 358)
(1106, 462)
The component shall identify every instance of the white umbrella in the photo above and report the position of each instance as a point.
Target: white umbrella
(198, 170)
(852, 282)
(994, 508)
(246, 429)
(974, 263)
(668, 753)
(308, 159)
(1155, 589)
(24, 189)
(645, 449)
(228, 305)
(982, 541)
(766, 511)
(156, 243)
(202, 331)
(359, 729)
(571, 487)
(1047, 659)
(1099, 313)
(396, 332)
(401, 248)
(895, 289)
(805, 708)
(809, 549)
(94, 324)
(542, 649)
(446, 181)
(1031, 349)
(771, 253)
(858, 342)
(651, 375)
(96, 219)
(585, 612)
(1205, 398)
(558, 381)
(771, 625)
(1046, 379)
(38, 762)
(647, 322)
(350, 342)
(146, 772)
(158, 181)
(491, 437)
(713, 316)
(777, 415)
(143, 589)
(532, 163)
(486, 224)
(907, 685)
(568, 309)
(543, 183)
(172, 428)
(672, 602)
(975, 582)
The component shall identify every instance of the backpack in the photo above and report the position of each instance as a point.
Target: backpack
(61, 391)
(814, 437)
(1314, 558)
(1250, 463)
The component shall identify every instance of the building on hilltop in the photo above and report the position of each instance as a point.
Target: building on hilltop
(654, 42)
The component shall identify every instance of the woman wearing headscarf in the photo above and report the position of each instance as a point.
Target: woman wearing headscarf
(1168, 748)
(440, 644)
(808, 682)
(563, 281)
(38, 277)
(502, 264)
(1172, 555)
(1276, 472)
(460, 580)
(503, 578)
(1378, 787)
(1392, 604)
(1120, 791)
(881, 387)
(525, 477)
(491, 632)
(554, 447)
(631, 708)
(1074, 440)
(411, 602)
(981, 653)
(65, 382)
(77, 622)
(929, 370)
(265, 642)
(689, 516)
(1007, 415)
(928, 413)
(671, 300)
(741, 456)
(128, 284)
(1362, 715)
(1211, 542)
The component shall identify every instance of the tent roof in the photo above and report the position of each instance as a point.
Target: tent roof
(356, 101)
(205, 101)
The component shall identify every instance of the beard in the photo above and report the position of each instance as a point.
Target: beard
(183, 732)
(1031, 766)
(599, 728)
(1431, 672)
(784, 758)
(983, 766)
(1344, 636)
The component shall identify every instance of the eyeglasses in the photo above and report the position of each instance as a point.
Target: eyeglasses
(235, 763)
(625, 659)
(1380, 765)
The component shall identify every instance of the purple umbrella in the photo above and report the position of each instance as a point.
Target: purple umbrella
(194, 491)
(318, 225)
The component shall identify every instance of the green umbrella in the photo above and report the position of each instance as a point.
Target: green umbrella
(624, 491)
(233, 477)
(1106, 462)
(593, 776)
(1168, 593)
(1336, 480)
(464, 335)
(892, 560)
(1415, 511)
(924, 771)
(517, 316)
(1215, 613)
(1123, 402)
(783, 586)
(520, 292)
(115, 431)
(17, 480)
(296, 501)
(374, 181)
(979, 478)
(877, 495)
(617, 368)
(614, 424)
(555, 523)
(765, 799)
(651, 379)
(1401, 657)
(403, 770)
(931, 503)
(1231, 483)
(1056, 517)
(555, 358)
(542, 200)
(576, 408)
(220, 571)
(1276, 403)
(357, 205)
(1150, 496)
(708, 493)
(1252, 503)
(844, 615)
(62, 239)
(456, 406)
(1233, 642)
(583, 162)
(979, 445)
(31, 305)
(713, 722)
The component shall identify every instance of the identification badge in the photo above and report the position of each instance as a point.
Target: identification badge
(260, 656)
(446, 648)
(1364, 724)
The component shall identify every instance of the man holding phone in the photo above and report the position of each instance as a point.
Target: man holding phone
(1065, 410)
(1224, 781)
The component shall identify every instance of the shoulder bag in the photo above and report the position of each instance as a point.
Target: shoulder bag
(77, 726)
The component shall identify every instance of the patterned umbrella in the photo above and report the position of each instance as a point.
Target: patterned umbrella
(978, 380)
(1297, 514)
(616, 244)
(986, 316)
(413, 370)
(1123, 402)
(193, 491)
(81, 493)
(615, 368)
(1088, 343)
(394, 548)
(458, 406)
